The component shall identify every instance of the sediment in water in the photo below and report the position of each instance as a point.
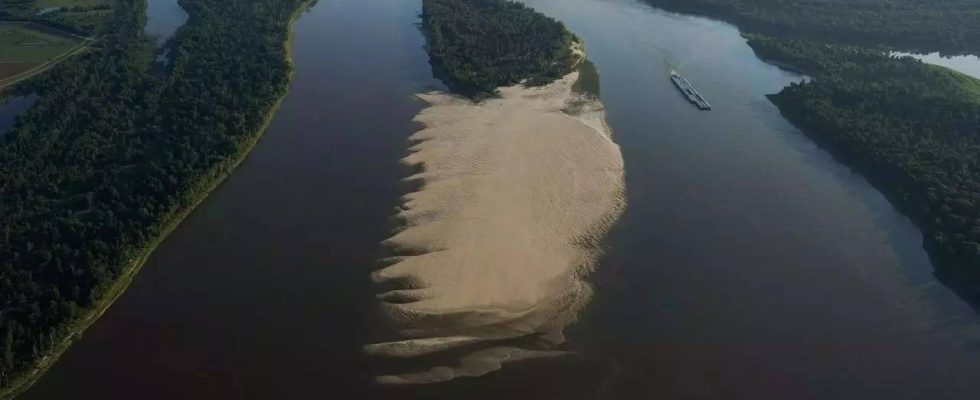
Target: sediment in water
(515, 195)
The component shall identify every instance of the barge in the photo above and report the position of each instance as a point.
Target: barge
(688, 91)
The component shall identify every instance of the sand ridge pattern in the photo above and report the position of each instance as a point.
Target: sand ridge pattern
(516, 194)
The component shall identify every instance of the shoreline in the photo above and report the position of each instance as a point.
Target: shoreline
(953, 272)
(20, 384)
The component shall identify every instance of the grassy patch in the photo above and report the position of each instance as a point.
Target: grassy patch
(966, 86)
(20, 44)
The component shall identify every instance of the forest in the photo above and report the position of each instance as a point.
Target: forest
(476, 46)
(951, 26)
(912, 128)
(113, 155)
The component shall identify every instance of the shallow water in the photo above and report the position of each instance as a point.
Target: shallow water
(10, 108)
(748, 265)
(967, 64)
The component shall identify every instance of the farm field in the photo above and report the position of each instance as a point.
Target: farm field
(24, 46)
(11, 69)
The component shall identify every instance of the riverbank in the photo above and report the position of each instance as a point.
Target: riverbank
(908, 27)
(193, 199)
(905, 125)
(516, 194)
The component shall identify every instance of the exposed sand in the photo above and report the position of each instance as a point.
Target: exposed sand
(515, 195)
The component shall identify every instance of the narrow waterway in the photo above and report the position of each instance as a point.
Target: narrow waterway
(968, 64)
(749, 264)
(11, 107)
(163, 18)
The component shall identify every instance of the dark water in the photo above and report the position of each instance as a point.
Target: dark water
(10, 108)
(748, 265)
(163, 17)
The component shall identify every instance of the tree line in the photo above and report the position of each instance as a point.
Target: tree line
(951, 26)
(912, 128)
(476, 46)
(112, 153)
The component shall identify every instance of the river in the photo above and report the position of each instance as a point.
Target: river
(748, 265)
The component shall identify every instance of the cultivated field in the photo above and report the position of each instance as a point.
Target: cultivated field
(10, 69)
(28, 48)
(22, 43)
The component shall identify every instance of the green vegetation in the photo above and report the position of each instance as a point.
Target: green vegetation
(948, 25)
(912, 128)
(27, 49)
(81, 17)
(20, 43)
(113, 155)
(476, 46)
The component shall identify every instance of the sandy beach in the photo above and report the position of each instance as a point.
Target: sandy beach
(515, 195)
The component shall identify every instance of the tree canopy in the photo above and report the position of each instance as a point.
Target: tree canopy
(951, 26)
(476, 46)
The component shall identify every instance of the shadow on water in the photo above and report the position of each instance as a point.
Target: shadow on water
(962, 279)
(588, 79)
(957, 277)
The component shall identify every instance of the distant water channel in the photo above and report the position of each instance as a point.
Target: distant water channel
(968, 64)
(163, 18)
(11, 107)
(749, 264)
